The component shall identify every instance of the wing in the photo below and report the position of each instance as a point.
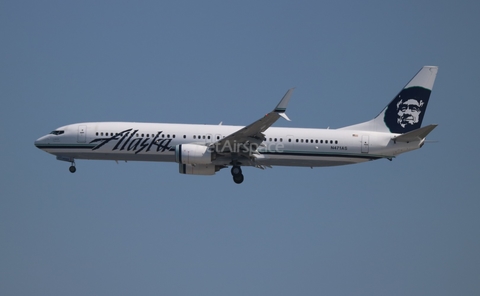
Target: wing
(250, 137)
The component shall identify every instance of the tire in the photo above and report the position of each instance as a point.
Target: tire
(236, 170)
(238, 179)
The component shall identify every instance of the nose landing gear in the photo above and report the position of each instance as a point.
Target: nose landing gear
(71, 160)
(237, 174)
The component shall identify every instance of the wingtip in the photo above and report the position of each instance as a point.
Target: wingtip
(282, 106)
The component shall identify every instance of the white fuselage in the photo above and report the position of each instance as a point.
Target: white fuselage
(132, 141)
(206, 149)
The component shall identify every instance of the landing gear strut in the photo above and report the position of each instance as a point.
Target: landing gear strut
(237, 174)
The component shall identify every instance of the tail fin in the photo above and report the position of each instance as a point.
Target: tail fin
(405, 112)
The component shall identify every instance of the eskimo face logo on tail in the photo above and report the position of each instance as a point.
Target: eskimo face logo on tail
(405, 113)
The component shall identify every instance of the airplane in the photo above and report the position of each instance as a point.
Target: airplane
(206, 149)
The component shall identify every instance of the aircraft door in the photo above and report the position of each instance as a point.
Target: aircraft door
(82, 134)
(365, 144)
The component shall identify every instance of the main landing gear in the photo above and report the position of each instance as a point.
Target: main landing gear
(72, 168)
(237, 174)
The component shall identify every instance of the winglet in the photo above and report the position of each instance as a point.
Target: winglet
(282, 106)
(284, 116)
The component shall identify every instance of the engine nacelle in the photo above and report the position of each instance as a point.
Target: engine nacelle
(193, 154)
(198, 169)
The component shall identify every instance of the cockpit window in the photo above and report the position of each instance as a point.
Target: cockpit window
(57, 133)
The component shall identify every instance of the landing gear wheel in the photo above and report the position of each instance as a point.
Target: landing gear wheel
(238, 178)
(72, 169)
(236, 170)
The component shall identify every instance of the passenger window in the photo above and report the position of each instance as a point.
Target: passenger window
(184, 136)
(316, 141)
(336, 142)
(296, 140)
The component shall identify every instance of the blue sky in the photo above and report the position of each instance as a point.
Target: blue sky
(406, 227)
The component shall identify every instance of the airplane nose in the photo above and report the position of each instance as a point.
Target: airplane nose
(38, 142)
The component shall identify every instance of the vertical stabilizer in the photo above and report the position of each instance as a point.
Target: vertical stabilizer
(406, 111)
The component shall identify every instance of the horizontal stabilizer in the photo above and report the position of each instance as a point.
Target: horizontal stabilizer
(415, 135)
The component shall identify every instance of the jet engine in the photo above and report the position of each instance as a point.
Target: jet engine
(193, 154)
